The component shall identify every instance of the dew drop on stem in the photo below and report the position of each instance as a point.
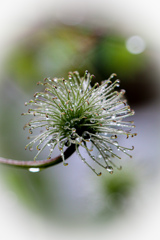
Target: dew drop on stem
(110, 169)
(66, 125)
(34, 170)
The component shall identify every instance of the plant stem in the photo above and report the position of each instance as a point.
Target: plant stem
(39, 163)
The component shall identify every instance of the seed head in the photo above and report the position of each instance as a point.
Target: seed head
(72, 112)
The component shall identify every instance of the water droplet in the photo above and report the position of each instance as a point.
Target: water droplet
(51, 142)
(115, 143)
(92, 120)
(34, 170)
(113, 75)
(67, 143)
(73, 130)
(113, 136)
(99, 156)
(110, 169)
(51, 150)
(73, 136)
(132, 112)
(62, 143)
(113, 117)
(86, 72)
(120, 131)
(86, 135)
(66, 125)
(99, 174)
(123, 91)
(65, 164)
(78, 139)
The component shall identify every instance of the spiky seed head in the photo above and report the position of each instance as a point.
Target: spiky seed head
(72, 112)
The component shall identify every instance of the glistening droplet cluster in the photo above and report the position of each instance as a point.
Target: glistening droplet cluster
(71, 111)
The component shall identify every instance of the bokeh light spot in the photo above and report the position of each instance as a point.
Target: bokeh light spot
(135, 45)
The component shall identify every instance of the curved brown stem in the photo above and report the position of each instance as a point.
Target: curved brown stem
(40, 163)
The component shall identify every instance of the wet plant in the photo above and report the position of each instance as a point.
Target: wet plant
(73, 115)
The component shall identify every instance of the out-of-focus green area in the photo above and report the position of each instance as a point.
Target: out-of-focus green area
(52, 52)
(56, 51)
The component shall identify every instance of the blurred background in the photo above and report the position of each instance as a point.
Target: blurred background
(48, 39)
